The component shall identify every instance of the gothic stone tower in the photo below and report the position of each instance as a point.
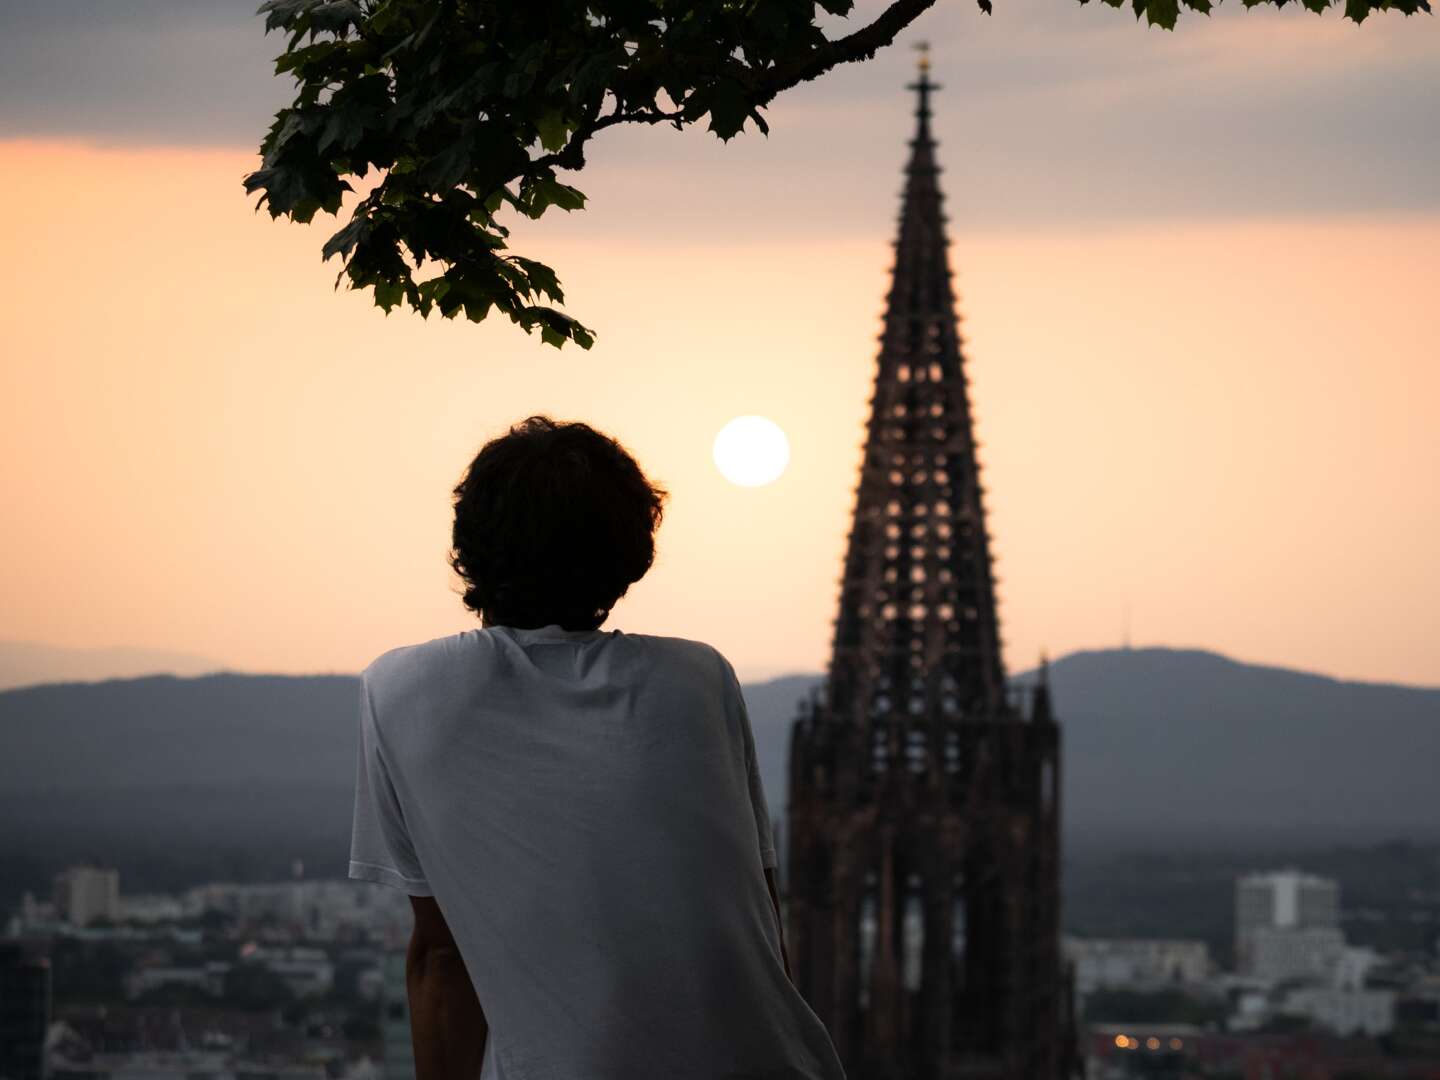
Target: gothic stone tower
(923, 856)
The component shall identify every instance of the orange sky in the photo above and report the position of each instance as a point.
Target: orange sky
(1229, 426)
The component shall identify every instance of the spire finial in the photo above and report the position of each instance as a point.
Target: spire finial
(922, 86)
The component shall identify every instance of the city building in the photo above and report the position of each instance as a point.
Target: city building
(317, 909)
(1182, 1052)
(1269, 906)
(208, 977)
(1136, 963)
(922, 870)
(1118, 1051)
(25, 998)
(151, 908)
(1354, 966)
(184, 1065)
(305, 970)
(86, 893)
(1342, 1010)
(395, 1019)
(1280, 954)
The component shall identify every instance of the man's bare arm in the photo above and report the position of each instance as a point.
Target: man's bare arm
(779, 922)
(448, 1028)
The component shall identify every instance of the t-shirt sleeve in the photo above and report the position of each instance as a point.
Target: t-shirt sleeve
(380, 846)
(764, 834)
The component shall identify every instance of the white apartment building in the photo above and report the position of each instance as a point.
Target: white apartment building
(1277, 916)
(86, 893)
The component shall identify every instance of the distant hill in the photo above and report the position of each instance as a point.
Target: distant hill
(220, 777)
(1187, 744)
(1186, 741)
(29, 663)
(243, 773)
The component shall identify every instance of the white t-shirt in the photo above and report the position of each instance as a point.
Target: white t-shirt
(586, 809)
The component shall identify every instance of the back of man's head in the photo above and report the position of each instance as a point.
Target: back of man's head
(554, 521)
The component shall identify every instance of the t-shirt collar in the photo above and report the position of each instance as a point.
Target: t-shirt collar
(549, 632)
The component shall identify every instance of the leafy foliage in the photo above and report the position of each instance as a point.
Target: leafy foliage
(466, 109)
(1163, 13)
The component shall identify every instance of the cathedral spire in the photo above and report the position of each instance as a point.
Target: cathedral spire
(917, 631)
(923, 812)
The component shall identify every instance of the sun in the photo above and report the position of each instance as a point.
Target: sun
(751, 451)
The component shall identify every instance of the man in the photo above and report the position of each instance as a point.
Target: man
(576, 813)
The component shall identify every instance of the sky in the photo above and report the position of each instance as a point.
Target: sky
(1196, 276)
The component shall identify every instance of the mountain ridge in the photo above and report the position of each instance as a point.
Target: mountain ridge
(30, 663)
(1159, 744)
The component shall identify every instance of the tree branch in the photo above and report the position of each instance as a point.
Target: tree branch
(572, 154)
(861, 45)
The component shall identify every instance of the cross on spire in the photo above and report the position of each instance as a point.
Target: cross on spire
(923, 86)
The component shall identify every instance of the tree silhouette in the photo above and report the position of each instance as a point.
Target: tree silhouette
(466, 110)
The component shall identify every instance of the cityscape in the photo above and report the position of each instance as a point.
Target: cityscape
(305, 979)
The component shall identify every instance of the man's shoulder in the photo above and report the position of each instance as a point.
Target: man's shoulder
(405, 662)
(700, 652)
(696, 659)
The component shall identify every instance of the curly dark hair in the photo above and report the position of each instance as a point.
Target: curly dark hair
(553, 522)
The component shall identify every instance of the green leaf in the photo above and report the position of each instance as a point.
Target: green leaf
(446, 168)
(337, 16)
(346, 239)
(546, 192)
(729, 106)
(554, 131)
(1162, 13)
(283, 13)
(541, 277)
(388, 294)
(303, 58)
(555, 326)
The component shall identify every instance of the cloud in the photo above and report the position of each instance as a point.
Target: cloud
(166, 72)
(1051, 113)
